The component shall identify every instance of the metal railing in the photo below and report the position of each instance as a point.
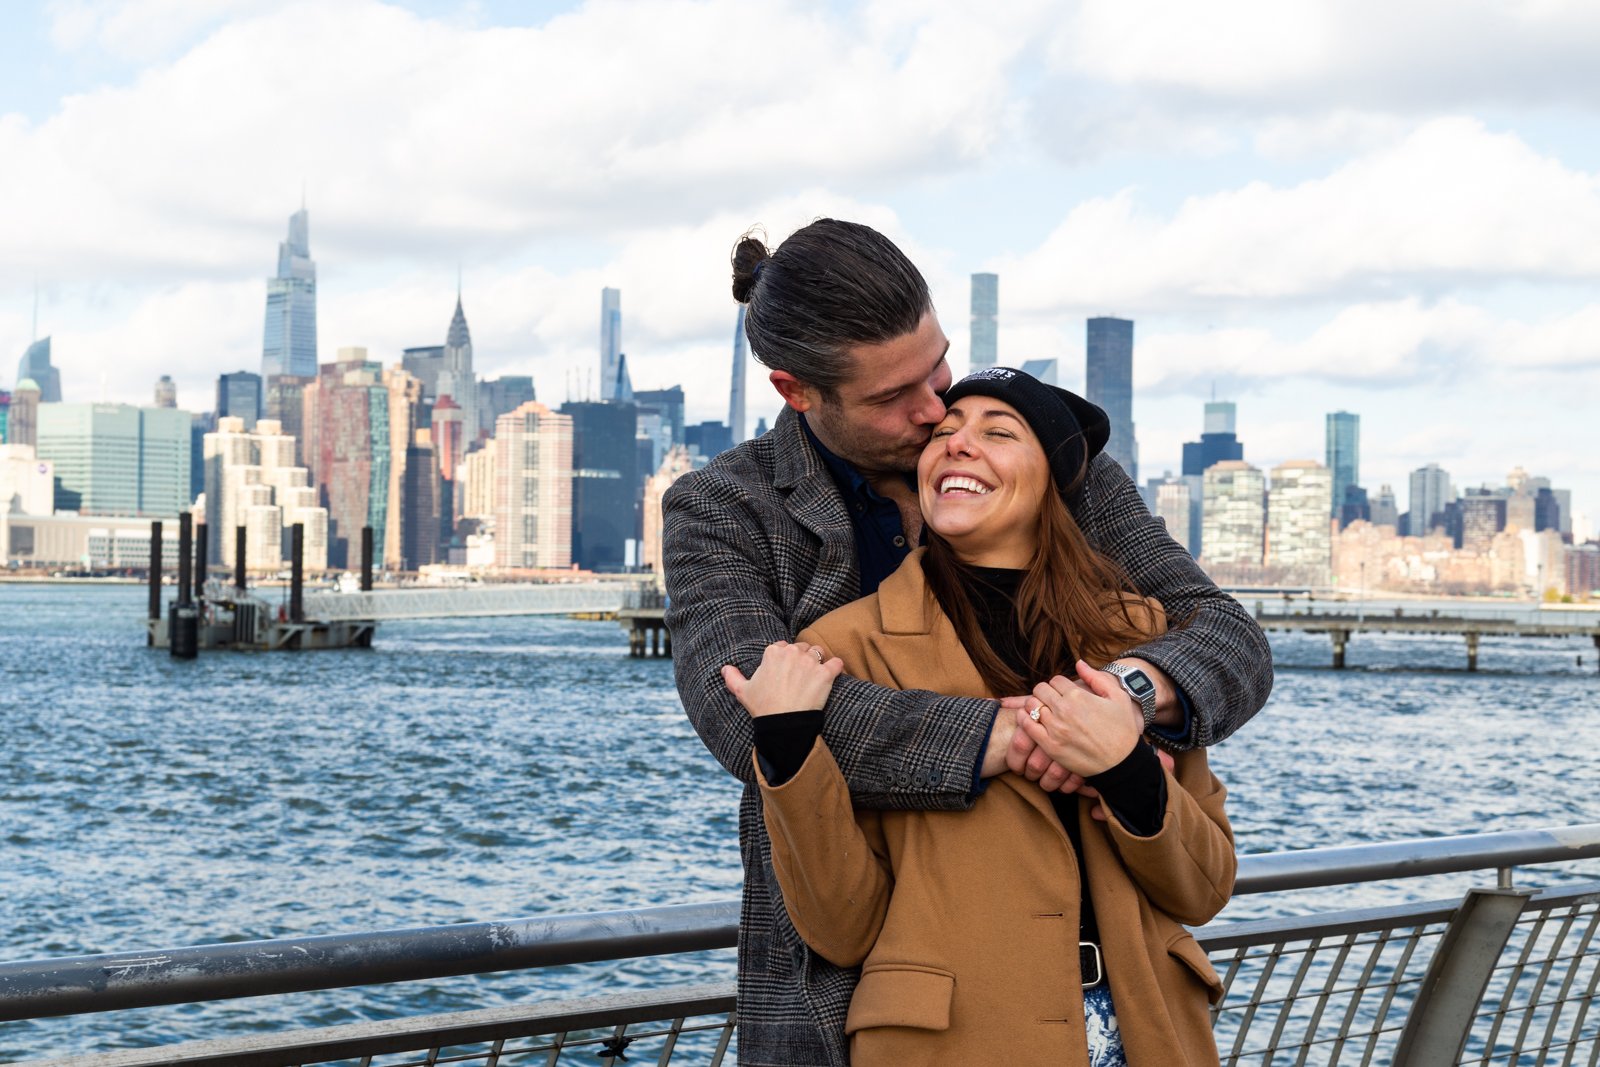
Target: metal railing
(1506, 976)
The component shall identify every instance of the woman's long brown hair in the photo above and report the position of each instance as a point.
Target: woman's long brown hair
(1072, 600)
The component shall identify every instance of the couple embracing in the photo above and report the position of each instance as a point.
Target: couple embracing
(968, 682)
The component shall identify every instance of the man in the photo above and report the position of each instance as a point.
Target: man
(781, 530)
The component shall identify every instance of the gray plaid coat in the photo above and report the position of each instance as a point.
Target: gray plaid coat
(759, 546)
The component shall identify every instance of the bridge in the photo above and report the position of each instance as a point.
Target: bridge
(1469, 619)
(385, 605)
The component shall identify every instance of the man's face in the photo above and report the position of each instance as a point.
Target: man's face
(880, 418)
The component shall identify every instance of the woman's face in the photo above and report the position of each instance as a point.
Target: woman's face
(981, 481)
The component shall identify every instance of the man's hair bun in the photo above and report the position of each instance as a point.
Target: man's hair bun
(748, 256)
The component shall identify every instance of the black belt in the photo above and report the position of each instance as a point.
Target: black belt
(1091, 963)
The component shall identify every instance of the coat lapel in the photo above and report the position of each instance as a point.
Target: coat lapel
(814, 503)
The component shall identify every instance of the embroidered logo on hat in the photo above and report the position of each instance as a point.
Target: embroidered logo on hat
(991, 374)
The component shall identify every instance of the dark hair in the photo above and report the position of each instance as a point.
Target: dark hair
(829, 287)
(1074, 602)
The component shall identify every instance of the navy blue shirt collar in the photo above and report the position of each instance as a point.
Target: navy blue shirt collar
(881, 544)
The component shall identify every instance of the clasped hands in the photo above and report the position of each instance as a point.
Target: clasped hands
(1085, 725)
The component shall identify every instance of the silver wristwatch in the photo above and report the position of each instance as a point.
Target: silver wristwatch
(1139, 687)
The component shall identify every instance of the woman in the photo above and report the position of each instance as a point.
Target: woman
(1014, 932)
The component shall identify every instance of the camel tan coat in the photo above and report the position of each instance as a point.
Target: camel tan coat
(965, 924)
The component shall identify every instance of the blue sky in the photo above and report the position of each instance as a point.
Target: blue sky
(1388, 208)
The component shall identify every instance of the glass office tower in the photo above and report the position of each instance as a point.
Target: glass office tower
(290, 339)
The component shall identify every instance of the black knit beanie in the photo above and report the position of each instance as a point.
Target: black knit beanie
(1072, 430)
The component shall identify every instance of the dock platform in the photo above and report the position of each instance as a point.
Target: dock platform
(1471, 620)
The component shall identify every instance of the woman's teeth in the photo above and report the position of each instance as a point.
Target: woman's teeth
(957, 482)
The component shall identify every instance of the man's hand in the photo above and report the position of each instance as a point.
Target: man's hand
(1087, 731)
(791, 677)
(1012, 749)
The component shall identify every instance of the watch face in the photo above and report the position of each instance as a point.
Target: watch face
(1139, 684)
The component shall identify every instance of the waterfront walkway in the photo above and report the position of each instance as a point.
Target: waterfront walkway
(1507, 974)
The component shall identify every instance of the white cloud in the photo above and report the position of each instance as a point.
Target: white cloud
(1269, 56)
(139, 30)
(418, 137)
(1453, 203)
(1448, 346)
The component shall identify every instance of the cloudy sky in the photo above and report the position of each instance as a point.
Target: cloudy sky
(1390, 208)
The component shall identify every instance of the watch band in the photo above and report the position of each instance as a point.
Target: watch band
(1137, 684)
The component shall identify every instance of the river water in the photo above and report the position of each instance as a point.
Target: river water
(474, 769)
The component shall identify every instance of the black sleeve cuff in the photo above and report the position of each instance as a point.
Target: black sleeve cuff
(1135, 791)
(784, 741)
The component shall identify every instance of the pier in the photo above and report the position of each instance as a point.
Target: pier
(644, 616)
(211, 614)
(1508, 971)
(1471, 620)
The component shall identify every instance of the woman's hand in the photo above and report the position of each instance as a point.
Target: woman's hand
(792, 677)
(1084, 728)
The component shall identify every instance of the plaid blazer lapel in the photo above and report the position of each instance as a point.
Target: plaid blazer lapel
(814, 502)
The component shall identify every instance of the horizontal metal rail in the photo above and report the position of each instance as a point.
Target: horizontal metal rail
(1330, 988)
(118, 980)
(1274, 872)
(114, 981)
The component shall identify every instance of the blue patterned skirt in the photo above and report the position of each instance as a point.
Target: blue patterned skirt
(1100, 1018)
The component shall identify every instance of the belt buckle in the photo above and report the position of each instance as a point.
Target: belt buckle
(1089, 952)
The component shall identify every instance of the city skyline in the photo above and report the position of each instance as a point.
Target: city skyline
(1418, 259)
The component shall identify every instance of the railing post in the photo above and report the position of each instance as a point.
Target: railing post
(1436, 1029)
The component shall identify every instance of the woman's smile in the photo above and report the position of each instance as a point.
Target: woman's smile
(982, 480)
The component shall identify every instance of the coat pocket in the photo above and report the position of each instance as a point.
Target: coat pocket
(901, 994)
(1187, 951)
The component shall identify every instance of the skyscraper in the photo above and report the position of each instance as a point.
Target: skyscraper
(1218, 443)
(1430, 493)
(736, 387)
(1172, 508)
(660, 421)
(1235, 513)
(284, 399)
(22, 424)
(449, 449)
(610, 341)
(166, 395)
(456, 379)
(1109, 383)
(252, 480)
(1344, 455)
(289, 343)
(500, 395)
(1384, 512)
(606, 482)
(239, 395)
(532, 464)
(349, 452)
(1299, 532)
(117, 459)
(985, 338)
(424, 363)
(36, 366)
(1042, 369)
